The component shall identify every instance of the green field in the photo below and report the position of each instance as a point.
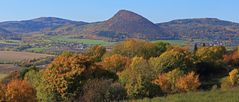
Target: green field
(71, 39)
(37, 49)
(174, 42)
(17, 42)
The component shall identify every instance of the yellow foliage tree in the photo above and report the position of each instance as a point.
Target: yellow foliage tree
(233, 75)
(137, 78)
(231, 80)
(133, 47)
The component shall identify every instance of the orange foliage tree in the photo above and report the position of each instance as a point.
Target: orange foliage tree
(20, 91)
(174, 81)
(2, 93)
(189, 82)
(115, 63)
(167, 81)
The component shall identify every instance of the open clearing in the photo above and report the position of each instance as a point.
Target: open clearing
(13, 56)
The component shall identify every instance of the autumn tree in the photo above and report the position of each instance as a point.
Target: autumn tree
(96, 52)
(137, 78)
(140, 48)
(232, 57)
(33, 77)
(210, 60)
(188, 82)
(115, 63)
(167, 81)
(210, 54)
(20, 91)
(2, 92)
(231, 80)
(175, 81)
(64, 74)
(171, 59)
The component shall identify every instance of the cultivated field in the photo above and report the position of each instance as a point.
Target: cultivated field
(5, 69)
(13, 56)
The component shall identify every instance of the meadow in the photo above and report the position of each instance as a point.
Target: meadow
(71, 39)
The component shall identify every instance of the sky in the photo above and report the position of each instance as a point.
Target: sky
(98, 10)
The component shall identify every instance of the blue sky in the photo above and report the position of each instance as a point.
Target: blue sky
(98, 10)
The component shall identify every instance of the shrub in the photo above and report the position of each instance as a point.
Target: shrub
(117, 92)
(99, 90)
(33, 77)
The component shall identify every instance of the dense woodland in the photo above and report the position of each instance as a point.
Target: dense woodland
(131, 70)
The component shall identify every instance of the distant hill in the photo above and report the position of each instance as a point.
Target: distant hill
(210, 28)
(126, 24)
(35, 25)
(4, 33)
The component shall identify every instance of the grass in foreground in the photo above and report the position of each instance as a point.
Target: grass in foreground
(209, 96)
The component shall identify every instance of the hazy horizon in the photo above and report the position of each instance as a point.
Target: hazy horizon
(93, 11)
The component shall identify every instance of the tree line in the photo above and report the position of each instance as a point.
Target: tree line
(132, 69)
